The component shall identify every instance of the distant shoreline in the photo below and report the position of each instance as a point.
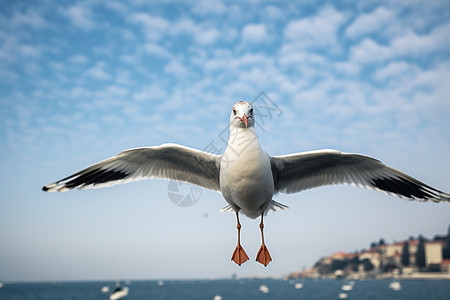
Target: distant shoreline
(424, 276)
(414, 276)
(375, 276)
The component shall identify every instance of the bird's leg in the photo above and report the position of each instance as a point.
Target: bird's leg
(239, 256)
(263, 255)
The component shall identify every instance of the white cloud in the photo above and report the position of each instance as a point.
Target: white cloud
(435, 80)
(117, 6)
(207, 36)
(112, 92)
(58, 67)
(208, 7)
(32, 68)
(273, 12)
(312, 95)
(78, 59)
(396, 70)
(201, 33)
(128, 58)
(303, 64)
(154, 92)
(127, 34)
(413, 44)
(409, 44)
(30, 18)
(11, 47)
(229, 34)
(98, 72)
(29, 51)
(258, 76)
(255, 33)
(316, 31)
(154, 27)
(8, 76)
(224, 61)
(112, 119)
(123, 77)
(370, 23)
(80, 16)
(369, 51)
(156, 50)
(417, 96)
(288, 57)
(238, 88)
(184, 26)
(176, 68)
(346, 68)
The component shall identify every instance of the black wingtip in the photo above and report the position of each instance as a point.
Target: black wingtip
(45, 189)
(404, 187)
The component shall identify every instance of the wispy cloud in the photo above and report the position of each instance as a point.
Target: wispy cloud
(98, 72)
(78, 59)
(205, 7)
(255, 33)
(153, 92)
(415, 44)
(325, 24)
(29, 18)
(153, 26)
(369, 51)
(80, 16)
(155, 49)
(273, 12)
(370, 23)
(176, 68)
(397, 71)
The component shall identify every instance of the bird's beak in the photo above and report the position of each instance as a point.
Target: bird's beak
(245, 120)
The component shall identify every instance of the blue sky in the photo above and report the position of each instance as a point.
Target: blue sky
(81, 81)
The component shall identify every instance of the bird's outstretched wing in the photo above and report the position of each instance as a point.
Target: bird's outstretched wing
(169, 161)
(301, 171)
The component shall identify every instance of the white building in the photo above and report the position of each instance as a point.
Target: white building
(373, 256)
(433, 253)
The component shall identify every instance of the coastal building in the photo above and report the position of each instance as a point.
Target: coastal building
(412, 246)
(341, 256)
(383, 259)
(393, 249)
(373, 256)
(433, 253)
(445, 266)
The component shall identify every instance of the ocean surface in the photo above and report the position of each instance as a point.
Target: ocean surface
(231, 289)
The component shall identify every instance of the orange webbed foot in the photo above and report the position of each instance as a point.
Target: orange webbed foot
(239, 255)
(263, 256)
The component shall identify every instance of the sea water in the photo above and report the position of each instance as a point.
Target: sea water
(231, 289)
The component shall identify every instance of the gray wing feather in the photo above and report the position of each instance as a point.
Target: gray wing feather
(168, 161)
(301, 171)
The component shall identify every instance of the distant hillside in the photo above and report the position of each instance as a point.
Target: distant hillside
(403, 257)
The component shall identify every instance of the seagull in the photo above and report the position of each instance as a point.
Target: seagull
(247, 176)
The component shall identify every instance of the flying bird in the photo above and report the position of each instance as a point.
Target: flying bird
(247, 176)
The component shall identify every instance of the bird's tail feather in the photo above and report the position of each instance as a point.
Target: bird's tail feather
(276, 206)
(273, 205)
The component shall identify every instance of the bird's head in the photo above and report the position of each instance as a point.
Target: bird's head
(242, 115)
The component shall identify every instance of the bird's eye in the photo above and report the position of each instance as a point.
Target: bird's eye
(234, 111)
(251, 111)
